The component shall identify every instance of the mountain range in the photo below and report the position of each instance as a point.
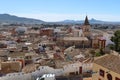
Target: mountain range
(7, 18)
(92, 21)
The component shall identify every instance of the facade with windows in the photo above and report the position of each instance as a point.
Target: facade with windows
(106, 68)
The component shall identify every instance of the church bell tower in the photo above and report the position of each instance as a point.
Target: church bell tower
(86, 28)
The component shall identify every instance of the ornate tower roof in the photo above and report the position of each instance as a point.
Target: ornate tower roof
(86, 21)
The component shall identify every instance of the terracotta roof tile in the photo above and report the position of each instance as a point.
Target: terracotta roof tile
(111, 62)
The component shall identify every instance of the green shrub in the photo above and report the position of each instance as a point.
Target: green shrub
(97, 54)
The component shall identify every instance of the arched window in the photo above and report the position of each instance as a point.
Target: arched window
(109, 76)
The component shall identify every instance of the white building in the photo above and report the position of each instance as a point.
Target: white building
(65, 71)
(47, 77)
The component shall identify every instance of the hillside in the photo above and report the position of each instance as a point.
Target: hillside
(6, 18)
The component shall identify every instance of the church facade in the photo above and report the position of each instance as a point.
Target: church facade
(79, 37)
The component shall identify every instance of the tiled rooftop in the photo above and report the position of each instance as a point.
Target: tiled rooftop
(76, 38)
(111, 62)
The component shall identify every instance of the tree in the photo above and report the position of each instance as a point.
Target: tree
(92, 52)
(35, 28)
(111, 47)
(102, 52)
(116, 40)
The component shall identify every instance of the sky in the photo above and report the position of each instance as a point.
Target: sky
(58, 10)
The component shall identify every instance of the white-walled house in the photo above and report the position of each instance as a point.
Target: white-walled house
(17, 76)
(76, 68)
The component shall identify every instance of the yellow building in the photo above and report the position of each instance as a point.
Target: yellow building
(106, 68)
(10, 67)
(81, 42)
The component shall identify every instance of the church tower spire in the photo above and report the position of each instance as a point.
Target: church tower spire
(86, 22)
(86, 28)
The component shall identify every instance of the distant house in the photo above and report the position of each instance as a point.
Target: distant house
(3, 55)
(106, 68)
(10, 66)
(47, 32)
(82, 42)
(3, 44)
